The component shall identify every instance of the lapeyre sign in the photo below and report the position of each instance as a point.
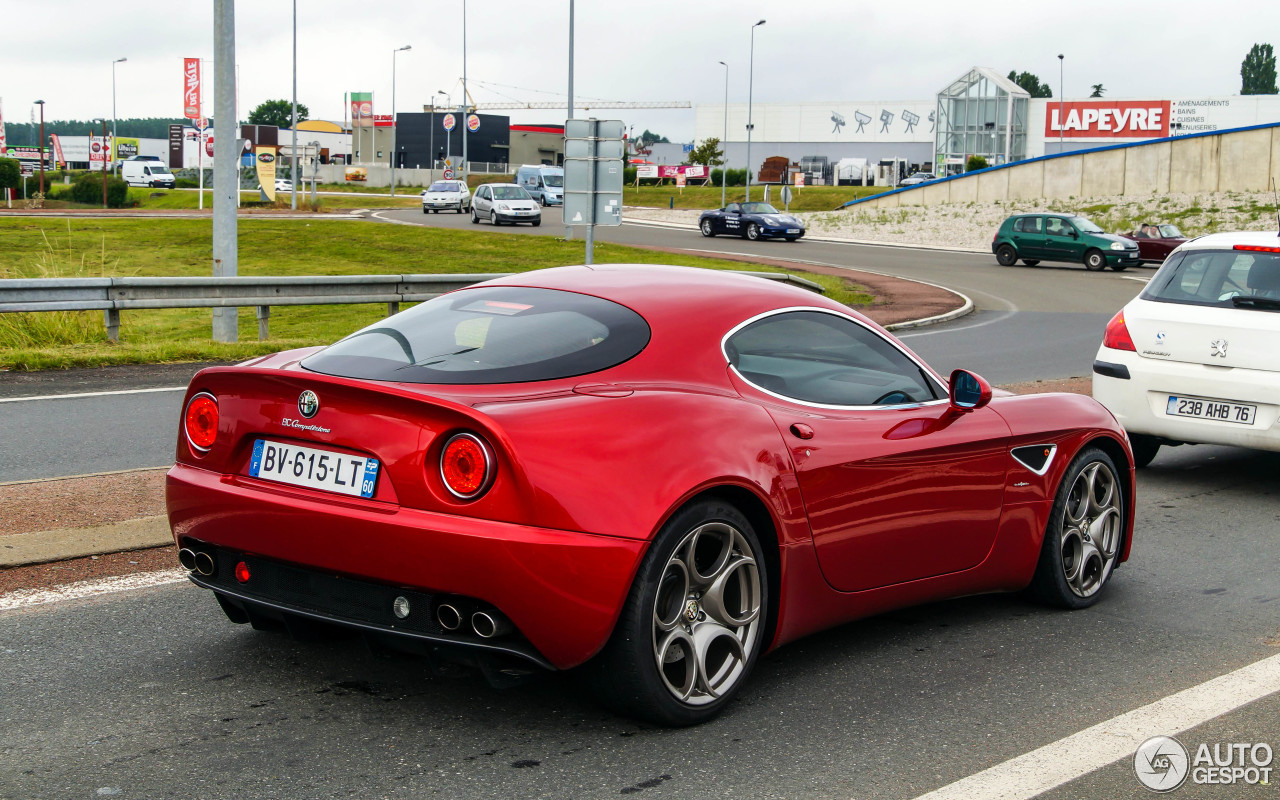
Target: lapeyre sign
(1107, 119)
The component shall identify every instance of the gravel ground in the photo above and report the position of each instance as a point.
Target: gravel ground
(970, 226)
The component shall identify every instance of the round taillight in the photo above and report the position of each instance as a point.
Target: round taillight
(201, 421)
(466, 466)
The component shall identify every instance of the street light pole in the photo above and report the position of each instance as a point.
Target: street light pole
(724, 143)
(394, 131)
(114, 147)
(293, 123)
(465, 96)
(751, 74)
(104, 162)
(41, 104)
(1062, 123)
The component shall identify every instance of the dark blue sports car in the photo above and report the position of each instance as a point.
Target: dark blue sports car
(752, 220)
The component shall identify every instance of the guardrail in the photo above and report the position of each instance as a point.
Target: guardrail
(113, 295)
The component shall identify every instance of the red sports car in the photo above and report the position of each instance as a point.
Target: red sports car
(656, 472)
(1156, 242)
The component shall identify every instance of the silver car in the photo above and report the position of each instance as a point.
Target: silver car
(505, 202)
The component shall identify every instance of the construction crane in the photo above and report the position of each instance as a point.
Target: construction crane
(586, 105)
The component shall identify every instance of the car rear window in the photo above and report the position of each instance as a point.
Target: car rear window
(1222, 278)
(498, 334)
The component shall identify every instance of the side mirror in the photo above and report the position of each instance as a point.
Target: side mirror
(968, 391)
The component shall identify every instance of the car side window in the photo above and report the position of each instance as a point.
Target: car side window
(828, 359)
(732, 208)
(1028, 225)
(1058, 227)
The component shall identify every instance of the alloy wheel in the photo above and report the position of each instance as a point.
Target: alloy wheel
(707, 614)
(1091, 529)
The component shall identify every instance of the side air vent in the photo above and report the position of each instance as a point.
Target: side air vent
(1036, 457)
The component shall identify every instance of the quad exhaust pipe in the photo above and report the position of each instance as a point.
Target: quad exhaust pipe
(196, 561)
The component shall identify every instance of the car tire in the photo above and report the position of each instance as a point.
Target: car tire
(708, 230)
(1030, 262)
(475, 219)
(753, 231)
(459, 206)
(426, 210)
(537, 222)
(1144, 449)
(493, 218)
(1095, 261)
(674, 616)
(1006, 256)
(1084, 536)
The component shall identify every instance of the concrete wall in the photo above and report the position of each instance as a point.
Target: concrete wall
(1232, 161)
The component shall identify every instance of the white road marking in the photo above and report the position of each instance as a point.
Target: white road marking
(92, 394)
(1136, 278)
(1118, 738)
(25, 598)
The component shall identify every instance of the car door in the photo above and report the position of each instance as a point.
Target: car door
(481, 204)
(731, 220)
(1062, 240)
(896, 485)
(1028, 236)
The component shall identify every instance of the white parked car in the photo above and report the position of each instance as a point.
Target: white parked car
(505, 202)
(917, 178)
(1195, 358)
(283, 185)
(446, 195)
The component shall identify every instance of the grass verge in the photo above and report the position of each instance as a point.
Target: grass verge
(176, 247)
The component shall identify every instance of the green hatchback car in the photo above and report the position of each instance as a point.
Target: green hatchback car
(1061, 237)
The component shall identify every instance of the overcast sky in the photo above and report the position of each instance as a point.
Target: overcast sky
(809, 50)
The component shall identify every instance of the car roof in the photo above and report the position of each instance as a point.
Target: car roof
(518, 186)
(1228, 239)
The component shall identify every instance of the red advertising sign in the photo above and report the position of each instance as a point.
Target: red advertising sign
(191, 88)
(1107, 119)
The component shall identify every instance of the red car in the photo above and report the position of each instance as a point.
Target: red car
(657, 472)
(1156, 242)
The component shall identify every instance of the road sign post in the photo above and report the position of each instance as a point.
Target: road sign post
(593, 162)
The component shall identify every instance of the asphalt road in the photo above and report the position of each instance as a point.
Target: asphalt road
(154, 694)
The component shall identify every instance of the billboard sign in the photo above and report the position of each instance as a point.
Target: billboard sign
(265, 165)
(191, 88)
(98, 147)
(449, 122)
(125, 148)
(473, 123)
(361, 109)
(175, 147)
(1107, 119)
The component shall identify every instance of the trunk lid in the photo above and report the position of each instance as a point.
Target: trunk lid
(1247, 338)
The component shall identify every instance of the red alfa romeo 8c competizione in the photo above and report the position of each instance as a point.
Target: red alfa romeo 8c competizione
(654, 474)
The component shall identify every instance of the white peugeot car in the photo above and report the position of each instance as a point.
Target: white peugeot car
(445, 196)
(1195, 358)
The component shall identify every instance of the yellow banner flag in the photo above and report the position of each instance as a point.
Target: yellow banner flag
(265, 163)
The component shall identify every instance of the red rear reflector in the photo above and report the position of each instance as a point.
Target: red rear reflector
(201, 421)
(1257, 248)
(1117, 336)
(242, 572)
(466, 466)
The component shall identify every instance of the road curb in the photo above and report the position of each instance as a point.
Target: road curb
(38, 547)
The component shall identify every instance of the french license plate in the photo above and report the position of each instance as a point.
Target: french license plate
(1220, 410)
(793, 230)
(315, 469)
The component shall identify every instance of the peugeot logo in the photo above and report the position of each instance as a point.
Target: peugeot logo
(308, 404)
(1218, 348)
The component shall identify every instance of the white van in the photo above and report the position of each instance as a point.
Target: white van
(543, 182)
(147, 171)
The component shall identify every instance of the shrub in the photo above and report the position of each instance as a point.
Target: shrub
(974, 163)
(87, 189)
(628, 174)
(736, 177)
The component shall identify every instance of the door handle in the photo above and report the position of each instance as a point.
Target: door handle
(801, 431)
